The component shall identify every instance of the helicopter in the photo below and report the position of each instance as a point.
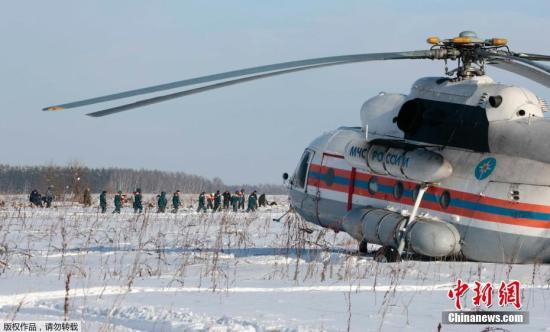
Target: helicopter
(457, 168)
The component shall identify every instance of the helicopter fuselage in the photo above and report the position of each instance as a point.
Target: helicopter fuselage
(480, 148)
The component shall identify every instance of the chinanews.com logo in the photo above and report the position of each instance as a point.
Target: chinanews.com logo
(506, 294)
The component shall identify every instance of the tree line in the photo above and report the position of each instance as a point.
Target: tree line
(74, 178)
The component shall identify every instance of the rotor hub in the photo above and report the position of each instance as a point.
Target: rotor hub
(467, 48)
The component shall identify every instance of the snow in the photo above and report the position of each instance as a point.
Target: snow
(227, 272)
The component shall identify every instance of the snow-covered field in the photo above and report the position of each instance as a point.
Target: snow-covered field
(227, 272)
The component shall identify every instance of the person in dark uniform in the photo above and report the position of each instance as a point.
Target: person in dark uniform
(162, 202)
(262, 201)
(103, 201)
(118, 202)
(202, 202)
(217, 201)
(138, 201)
(176, 202)
(35, 198)
(236, 200)
(252, 202)
(226, 199)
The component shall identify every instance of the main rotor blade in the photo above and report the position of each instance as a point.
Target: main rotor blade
(175, 95)
(533, 57)
(520, 64)
(423, 54)
(532, 73)
(540, 66)
(515, 57)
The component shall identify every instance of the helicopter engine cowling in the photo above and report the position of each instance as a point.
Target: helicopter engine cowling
(417, 164)
(427, 237)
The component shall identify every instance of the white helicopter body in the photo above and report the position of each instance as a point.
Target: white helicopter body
(487, 206)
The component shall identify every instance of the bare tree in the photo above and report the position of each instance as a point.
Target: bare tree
(74, 177)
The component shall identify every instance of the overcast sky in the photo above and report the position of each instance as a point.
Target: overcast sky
(60, 51)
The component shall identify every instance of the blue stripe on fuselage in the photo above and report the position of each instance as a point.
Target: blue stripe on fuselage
(455, 202)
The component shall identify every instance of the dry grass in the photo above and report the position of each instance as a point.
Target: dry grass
(205, 250)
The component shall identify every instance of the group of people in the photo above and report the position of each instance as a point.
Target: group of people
(120, 199)
(222, 201)
(162, 202)
(207, 201)
(40, 200)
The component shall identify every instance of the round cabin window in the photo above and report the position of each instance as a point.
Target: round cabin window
(445, 199)
(373, 185)
(398, 190)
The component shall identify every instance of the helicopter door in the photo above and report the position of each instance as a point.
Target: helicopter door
(351, 188)
(332, 188)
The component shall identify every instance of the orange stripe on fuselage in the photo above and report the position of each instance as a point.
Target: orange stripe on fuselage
(469, 213)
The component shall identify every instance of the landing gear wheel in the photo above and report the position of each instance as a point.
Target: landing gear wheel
(363, 247)
(387, 255)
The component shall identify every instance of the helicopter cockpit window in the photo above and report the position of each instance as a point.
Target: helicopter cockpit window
(301, 171)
